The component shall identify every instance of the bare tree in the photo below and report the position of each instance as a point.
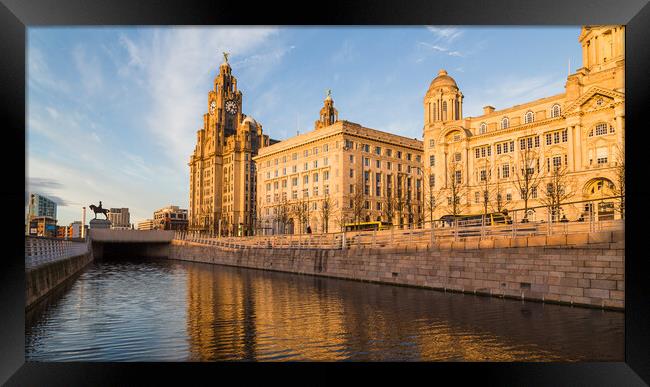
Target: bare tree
(326, 211)
(527, 176)
(431, 195)
(559, 189)
(619, 187)
(358, 199)
(282, 214)
(497, 195)
(455, 189)
(302, 211)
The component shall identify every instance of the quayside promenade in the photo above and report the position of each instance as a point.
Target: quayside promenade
(579, 263)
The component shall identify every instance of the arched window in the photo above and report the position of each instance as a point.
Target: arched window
(555, 111)
(529, 117)
(435, 112)
(483, 128)
(505, 122)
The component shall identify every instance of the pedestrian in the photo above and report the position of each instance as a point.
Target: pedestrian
(308, 229)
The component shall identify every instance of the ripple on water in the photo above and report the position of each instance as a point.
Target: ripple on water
(180, 311)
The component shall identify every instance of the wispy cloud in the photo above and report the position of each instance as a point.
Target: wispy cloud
(346, 53)
(508, 91)
(437, 48)
(177, 63)
(89, 68)
(445, 33)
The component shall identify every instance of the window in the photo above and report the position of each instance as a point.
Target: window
(508, 197)
(349, 144)
(476, 197)
(294, 169)
(399, 154)
(388, 165)
(275, 185)
(326, 175)
(556, 138)
(505, 171)
(379, 206)
(294, 181)
(306, 153)
(306, 167)
(548, 139)
(351, 172)
(294, 156)
(378, 150)
(366, 148)
(378, 164)
(456, 137)
(315, 151)
(457, 156)
(557, 162)
(565, 135)
(601, 129)
(529, 117)
(601, 155)
(432, 160)
(315, 163)
(366, 161)
(408, 156)
(431, 143)
(284, 183)
(315, 177)
(284, 171)
(459, 177)
(482, 128)
(555, 111)
(305, 179)
(533, 193)
(498, 149)
(326, 148)
(351, 188)
(505, 123)
(483, 175)
(432, 180)
(325, 161)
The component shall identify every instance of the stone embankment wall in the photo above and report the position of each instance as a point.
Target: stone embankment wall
(580, 269)
(41, 280)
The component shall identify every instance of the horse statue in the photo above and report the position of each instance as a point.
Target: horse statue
(99, 210)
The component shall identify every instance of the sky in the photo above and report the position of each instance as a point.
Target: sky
(112, 113)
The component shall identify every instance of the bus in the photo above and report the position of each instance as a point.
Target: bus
(475, 220)
(367, 226)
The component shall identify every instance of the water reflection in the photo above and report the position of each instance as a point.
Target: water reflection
(164, 310)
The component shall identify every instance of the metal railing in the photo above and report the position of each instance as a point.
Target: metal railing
(42, 250)
(515, 224)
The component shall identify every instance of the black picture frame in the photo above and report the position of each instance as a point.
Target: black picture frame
(17, 15)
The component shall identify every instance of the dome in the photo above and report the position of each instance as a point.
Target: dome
(442, 80)
(251, 120)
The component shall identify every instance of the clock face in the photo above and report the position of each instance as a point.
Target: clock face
(213, 107)
(231, 107)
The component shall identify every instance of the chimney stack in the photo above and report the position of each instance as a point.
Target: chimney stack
(488, 109)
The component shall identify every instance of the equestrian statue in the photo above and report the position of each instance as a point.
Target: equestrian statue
(99, 210)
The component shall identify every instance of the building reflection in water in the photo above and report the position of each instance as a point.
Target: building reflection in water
(244, 314)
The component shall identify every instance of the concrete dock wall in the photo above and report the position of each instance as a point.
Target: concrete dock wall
(582, 269)
(40, 281)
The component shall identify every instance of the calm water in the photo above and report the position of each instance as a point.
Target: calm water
(182, 311)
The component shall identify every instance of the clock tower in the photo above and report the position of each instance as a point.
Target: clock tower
(222, 170)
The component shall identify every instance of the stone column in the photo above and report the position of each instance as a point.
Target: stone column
(571, 136)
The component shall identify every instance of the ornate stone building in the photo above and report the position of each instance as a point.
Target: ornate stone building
(222, 170)
(566, 146)
(340, 172)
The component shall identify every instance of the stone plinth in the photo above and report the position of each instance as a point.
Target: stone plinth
(99, 223)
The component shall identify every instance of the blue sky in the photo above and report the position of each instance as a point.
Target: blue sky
(113, 112)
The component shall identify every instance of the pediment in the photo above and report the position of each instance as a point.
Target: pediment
(595, 98)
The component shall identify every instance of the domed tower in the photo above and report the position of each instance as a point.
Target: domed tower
(328, 114)
(443, 101)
